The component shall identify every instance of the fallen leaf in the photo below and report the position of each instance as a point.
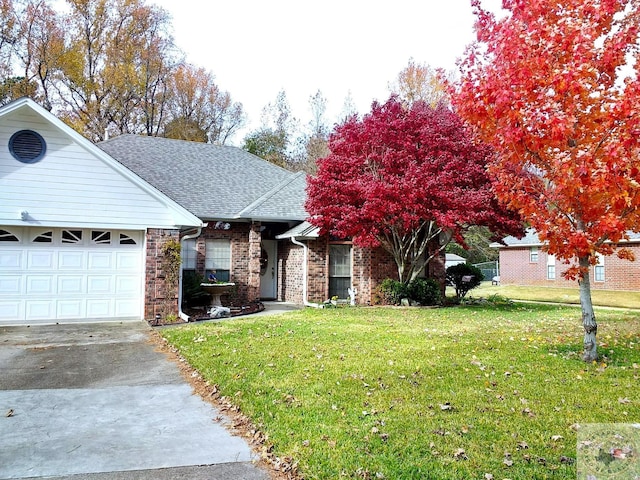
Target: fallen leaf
(522, 445)
(488, 476)
(446, 406)
(555, 438)
(460, 454)
(624, 400)
(508, 462)
(9, 413)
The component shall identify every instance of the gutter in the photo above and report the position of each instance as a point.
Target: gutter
(305, 273)
(198, 232)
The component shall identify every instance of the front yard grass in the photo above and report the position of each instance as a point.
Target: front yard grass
(602, 298)
(470, 392)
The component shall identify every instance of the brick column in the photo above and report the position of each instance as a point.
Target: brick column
(253, 282)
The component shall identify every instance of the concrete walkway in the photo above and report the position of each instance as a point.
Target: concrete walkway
(98, 402)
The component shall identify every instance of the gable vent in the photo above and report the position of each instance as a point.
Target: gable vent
(27, 146)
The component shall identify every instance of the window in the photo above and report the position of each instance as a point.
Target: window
(27, 146)
(126, 240)
(599, 269)
(7, 236)
(189, 254)
(551, 267)
(100, 237)
(339, 270)
(71, 236)
(45, 237)
(218, 258)
(533, 255)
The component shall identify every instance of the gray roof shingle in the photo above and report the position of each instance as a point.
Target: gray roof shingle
(212, 181)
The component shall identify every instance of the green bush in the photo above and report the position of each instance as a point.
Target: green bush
(425, 291)
(192, 293)
(464, 277)
(392, 291)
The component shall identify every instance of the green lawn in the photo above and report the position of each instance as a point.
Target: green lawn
(393, 393)
(603, 298)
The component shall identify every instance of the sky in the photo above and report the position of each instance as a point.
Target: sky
(257, 48)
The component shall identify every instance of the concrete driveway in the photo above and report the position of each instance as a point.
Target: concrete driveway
(97, 401)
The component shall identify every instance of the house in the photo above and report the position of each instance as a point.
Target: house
(524, 262)
(83, 226)
(76, 227)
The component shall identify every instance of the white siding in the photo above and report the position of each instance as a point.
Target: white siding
(72, 185)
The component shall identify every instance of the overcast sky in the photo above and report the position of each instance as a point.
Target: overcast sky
(255, 48)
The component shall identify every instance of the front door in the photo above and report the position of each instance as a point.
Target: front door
(268, 265)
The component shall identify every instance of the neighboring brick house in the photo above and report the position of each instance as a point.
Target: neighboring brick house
(524, 262)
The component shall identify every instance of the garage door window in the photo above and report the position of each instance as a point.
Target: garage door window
(44, 237)
(71, 236)
(6, 236)
(100, 238)
(127, 240)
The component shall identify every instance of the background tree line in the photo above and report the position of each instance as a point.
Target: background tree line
(108, 67)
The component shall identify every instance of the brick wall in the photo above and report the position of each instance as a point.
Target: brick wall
(369, 268)
(244, 239)
(517, 269)
(158, 299)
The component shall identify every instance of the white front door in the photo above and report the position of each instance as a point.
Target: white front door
(52, 275)
(268, 267)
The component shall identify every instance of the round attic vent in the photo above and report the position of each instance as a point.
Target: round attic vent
(27, 146)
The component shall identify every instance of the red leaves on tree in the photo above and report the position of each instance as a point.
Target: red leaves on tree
(546, 87)
(401, 176)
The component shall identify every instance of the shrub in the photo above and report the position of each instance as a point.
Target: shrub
(425, 291)
(463, 277)
(192, 293)
(392, 291)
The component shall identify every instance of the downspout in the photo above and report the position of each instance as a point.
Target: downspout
(198, 232)
(305, 273)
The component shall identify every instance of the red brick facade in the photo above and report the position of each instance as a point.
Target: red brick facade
(517, 268)
(369, 268)
(158, 298)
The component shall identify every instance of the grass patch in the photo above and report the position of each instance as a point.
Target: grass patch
(602, 298)
(422, 393)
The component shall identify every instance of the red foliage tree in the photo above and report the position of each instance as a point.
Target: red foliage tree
(405, 179)
(546, 87)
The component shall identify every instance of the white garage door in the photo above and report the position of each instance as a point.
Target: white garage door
(50, 275)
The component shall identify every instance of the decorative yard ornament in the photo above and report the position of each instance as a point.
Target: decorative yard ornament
(553, 86)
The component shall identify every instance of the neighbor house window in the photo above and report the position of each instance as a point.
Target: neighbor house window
(189, 254)
(218, 258)
(339, 270)
(551, 267)
(533, 255)
(599, 269)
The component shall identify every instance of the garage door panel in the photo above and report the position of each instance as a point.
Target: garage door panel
(71, 284)
(100, 285)
(127, 308)
(101, 261)
(71, 260)
(40, 309)
(11, 310)
(11, 259)
(10, 285)
(40, 285)
(41, 260)
(99, 308)
(127, 285)
(70, 309)
(127, 261)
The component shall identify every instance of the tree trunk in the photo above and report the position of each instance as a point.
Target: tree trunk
(588, 316)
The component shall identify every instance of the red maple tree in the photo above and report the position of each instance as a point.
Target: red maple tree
(409, 179)
(553, 87)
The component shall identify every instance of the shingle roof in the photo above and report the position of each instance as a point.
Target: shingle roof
(212, 181)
